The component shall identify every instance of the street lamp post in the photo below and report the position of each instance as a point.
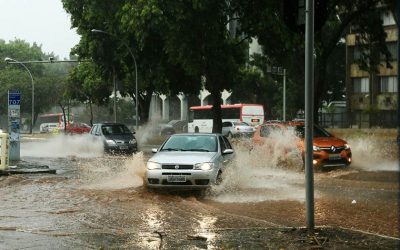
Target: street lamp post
(136, 75)
(10, 60)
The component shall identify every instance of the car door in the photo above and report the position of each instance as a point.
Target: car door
(224, 144)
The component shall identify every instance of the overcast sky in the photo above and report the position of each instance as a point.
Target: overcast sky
(42, 21)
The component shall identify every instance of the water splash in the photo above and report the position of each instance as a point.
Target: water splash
(111, 173)
(263, 172)
(374, 154)
(63, 146)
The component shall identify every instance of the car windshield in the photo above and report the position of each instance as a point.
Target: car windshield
(115, 129)
(317, 132)
(201, 143)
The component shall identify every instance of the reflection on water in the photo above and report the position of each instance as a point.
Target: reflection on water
(206, 226)
(153, 220)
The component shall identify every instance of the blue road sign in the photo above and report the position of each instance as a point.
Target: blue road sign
(14, 97)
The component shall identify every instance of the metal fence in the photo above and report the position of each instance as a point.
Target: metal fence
(359, 119)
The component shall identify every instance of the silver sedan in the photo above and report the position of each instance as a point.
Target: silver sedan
(189, 161)
(235, 129)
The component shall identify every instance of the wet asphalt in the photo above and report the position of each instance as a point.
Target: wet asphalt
(99, 201)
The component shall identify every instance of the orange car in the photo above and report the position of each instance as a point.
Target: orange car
(328, 150)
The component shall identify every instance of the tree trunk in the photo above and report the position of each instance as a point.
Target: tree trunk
(144, 107)
(65, 118)
(91, 113)
(217, 114)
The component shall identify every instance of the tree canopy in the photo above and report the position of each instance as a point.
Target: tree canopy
(181, 46)
(47, 78)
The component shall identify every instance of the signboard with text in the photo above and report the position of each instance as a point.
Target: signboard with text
(14, 114)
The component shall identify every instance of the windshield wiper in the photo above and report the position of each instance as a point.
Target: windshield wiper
(171, 149)
(196, 149)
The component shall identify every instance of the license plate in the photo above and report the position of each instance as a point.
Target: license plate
(123, 147)
(176, 178)
(334, 157)
(255, 120)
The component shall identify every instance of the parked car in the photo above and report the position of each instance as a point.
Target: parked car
(235, 129)
(116, 137)
(328, 150)
(78, 128)
(194, 161)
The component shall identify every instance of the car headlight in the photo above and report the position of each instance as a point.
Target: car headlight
(204, 166)
(110, 142)
(346, 146)
(316, 148)
(133, 141)
(153, 165)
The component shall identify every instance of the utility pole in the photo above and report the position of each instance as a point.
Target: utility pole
(284, 96)
(309, 119)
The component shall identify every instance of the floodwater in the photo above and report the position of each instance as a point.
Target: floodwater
(97, 201)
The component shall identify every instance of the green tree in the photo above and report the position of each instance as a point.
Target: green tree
(86, 85)
(175, 45)
(196, 41)
(15, 77)
(284, 47)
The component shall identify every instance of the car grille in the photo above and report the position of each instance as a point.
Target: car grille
(187, 183)
(329, 150)
(331, 163)
(174, 166)
(176, 174)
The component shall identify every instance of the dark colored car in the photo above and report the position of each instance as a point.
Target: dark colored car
(116, 137)
(165, 129)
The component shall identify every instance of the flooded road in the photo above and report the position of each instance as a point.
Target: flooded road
(97, 201)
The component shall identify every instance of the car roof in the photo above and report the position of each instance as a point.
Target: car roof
(109, 123)
(181, 134)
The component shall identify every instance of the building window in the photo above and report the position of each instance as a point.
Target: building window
(361, 85)
(387, 18)
(392, 47)
(389, 84)
(357, 53)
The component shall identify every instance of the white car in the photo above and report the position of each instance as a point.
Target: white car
(234, 129)
(189, 161)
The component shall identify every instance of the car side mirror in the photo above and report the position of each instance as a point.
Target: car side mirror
(227, 151)
(154, 150)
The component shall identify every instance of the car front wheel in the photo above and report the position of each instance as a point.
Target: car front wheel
(219, 179)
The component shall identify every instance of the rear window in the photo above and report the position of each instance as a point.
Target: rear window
(253, 110)
(317, 131)
(241, 124)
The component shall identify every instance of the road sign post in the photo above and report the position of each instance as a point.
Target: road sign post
(14, 123)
